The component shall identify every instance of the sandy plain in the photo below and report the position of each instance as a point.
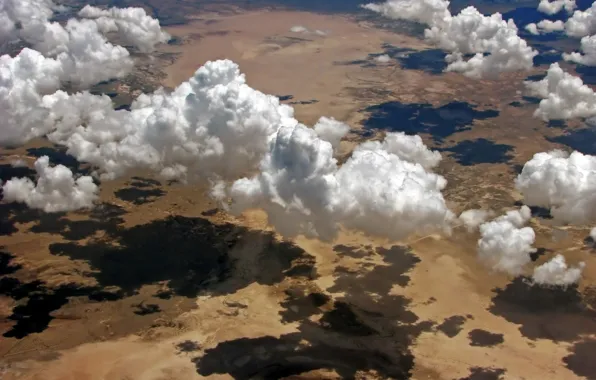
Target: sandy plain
(359, 307)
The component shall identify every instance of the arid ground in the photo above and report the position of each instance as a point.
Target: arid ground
(158, 283)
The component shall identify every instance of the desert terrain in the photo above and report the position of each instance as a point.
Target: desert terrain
(157, 282)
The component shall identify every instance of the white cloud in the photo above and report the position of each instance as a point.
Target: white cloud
(473, 218)
(545, 26)
(564, 95)
(331, 130)
(555, 6)
(588, 48)
(564, 183)
(383, 58)
(19, 15)
(505, 244)
(56, 189)
(408, 148)
(299, 29)
(18, 163)
(493, 42)
(303, 190)
(555, 272)
(305, 30)
(582, 23)
(132, 25)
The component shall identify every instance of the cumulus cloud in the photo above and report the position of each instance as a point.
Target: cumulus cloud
(305, 30)
(555, 6)
(505, 244)
(213, 126)
(493, 42)
(19, 15)
(564, 96)
(304, 191)
(56, 189)
(588, 48)
(18, 163)
(409, 148)
(555, 272)
(383, 58)
(564, 183)
(473, 218)
(582, 23)
(331, 130)
(132, 25)
(545, 26)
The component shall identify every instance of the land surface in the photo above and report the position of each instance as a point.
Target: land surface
(158, 283)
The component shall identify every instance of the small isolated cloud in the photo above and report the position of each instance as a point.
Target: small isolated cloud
(56, 189)
(472, 219)
(299, 29)
(305, 30)
(18, 163)
(493, 42)
(564, 96)
(555, 272)
(564, 183)
(383, 58)
(505, 244)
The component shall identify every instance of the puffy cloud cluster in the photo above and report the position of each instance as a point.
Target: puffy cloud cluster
(545, 26)
(473, 218)
(213, 125)
(582, 23)
(380, 190)
(564, 183)
(493, 42)
(588, 48)
(56, 189)
(564, 96)
(76, 53)
(505, 244)
(19, 15)
(555, 272)
(555, 6)
(132, 25)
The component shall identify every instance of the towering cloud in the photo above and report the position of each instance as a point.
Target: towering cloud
(564, 183)
(303, 190)
(564, 95)
(505, 244)
(56, 189)
(493, 42)
(213, 126)
(556, 272)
